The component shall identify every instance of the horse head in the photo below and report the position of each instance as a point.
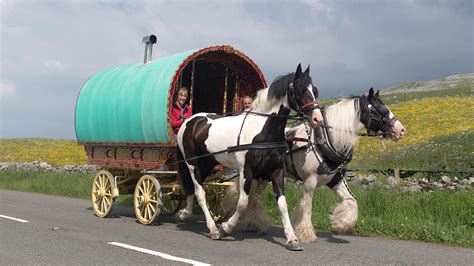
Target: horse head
(301, 94)
(378, 119)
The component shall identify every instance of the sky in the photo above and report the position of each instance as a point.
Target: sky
(48, 49)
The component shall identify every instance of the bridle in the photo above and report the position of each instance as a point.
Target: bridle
(305, 108)
(375, 117)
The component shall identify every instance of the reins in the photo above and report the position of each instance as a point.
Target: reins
(231, 149)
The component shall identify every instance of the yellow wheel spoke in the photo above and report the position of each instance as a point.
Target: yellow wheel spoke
(145, 212)
(108, 194)
(148, 211)
(107, 200)
(154, 201)
(153, 209)
(144, 187)
(140, 189)
(101, 181)
(105, 205)
(102, 209)
(142, 210)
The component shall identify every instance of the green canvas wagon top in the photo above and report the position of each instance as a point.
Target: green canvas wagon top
(131, 104)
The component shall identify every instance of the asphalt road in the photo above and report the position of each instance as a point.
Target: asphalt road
(58, 230)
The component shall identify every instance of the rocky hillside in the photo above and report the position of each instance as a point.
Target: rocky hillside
(460, 81)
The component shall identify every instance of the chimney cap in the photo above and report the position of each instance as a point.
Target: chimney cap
(149, 39)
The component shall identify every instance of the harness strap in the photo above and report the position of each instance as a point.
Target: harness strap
(336, 179)
(241, 127)
(313, 105)
(251, 146)
(291, 169)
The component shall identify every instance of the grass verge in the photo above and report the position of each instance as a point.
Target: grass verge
(441, 216)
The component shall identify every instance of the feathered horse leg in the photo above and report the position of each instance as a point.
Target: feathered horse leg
(255, 218)
(344, 216)
(301, 216)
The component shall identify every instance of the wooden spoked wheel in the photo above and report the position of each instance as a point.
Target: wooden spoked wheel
(215, 204)
(147, 199)
(171, 201)
(102, 200)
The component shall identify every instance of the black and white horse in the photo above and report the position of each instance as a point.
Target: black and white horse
(321, 161)
(257, 143)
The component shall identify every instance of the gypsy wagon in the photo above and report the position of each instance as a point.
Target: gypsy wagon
(123, 119)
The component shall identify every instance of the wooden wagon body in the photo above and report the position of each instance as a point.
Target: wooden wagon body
(123, 119)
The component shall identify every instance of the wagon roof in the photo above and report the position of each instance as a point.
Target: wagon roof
(130, 103)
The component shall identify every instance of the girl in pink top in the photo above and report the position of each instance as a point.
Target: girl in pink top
(181, 110)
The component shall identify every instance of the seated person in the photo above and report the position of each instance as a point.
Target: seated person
(246, 103)
(181, 109)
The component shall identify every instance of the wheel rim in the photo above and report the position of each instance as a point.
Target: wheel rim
(147, 199)
(102, 200)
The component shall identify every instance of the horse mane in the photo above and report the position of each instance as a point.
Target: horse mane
(272, 97)
(279, 86)
(344, 117)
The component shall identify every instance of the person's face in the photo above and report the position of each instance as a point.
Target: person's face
(247, 103)
(182, 96)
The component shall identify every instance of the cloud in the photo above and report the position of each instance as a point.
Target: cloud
(53, 64)
(6, 89)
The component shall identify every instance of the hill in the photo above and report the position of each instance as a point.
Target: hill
(459, 81)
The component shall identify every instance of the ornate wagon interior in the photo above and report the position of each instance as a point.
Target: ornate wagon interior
(218, 78)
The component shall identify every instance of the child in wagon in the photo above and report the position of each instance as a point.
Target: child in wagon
(181, 109)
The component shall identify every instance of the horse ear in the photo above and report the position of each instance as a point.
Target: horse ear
(298, 71)
(371, 93)
(307, 70)
(377, 94)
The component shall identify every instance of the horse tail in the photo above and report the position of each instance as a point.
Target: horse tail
(345, 215)
(184, 175)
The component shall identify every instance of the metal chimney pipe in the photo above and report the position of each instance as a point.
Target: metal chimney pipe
(149, 41)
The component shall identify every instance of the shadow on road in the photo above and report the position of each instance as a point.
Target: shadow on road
(197, 225)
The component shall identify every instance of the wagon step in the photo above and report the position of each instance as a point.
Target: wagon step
(159, 172)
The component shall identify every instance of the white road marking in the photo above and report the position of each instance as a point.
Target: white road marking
(159, 254)
(14, 219)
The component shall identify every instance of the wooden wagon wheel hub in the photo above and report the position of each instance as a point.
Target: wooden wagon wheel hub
(101, 193)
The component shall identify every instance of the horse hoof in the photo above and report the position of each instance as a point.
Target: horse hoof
(215, 236)
(222, 232)
(177, 217)
(294, 246)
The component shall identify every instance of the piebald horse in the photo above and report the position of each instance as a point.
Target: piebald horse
(252, 142)
(321, 161)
